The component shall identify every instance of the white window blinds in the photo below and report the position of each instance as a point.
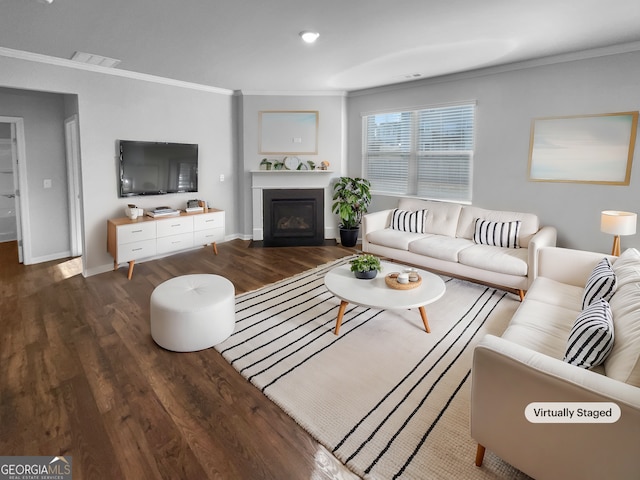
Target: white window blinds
(426, 153)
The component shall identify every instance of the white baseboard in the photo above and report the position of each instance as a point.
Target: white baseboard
(48, 258)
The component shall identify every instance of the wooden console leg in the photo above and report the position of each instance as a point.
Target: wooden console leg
(115, 265)
(479, 455)
(131, 264)
(423, 314)
(215, 248)
(343, 306)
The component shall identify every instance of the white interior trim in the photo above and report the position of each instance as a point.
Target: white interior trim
(63, 62)
(538, 62)
(23, 197)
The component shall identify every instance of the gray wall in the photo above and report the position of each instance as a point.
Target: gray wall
(48, 214)
(226, 128)
(112, 107)
(331, 137)
(506, 103)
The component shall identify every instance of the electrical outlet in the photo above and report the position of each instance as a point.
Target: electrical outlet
(222, 177)
(48, 183)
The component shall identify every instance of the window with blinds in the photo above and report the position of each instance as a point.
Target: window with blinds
(426, 153)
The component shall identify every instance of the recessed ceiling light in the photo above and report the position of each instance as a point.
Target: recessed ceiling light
(46, 2)
(93, 59)
(309, 37)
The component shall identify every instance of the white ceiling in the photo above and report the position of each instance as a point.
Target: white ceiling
(253, 45)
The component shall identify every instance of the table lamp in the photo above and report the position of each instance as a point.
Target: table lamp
(618, 223)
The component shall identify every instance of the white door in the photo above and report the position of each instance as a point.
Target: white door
(16, 187)
(9, 189)
(20, 187)
(72, 144)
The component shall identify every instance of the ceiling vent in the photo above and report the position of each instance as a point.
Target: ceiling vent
(407, 76)
(93, 59)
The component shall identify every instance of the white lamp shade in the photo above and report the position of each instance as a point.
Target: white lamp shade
(618, 223)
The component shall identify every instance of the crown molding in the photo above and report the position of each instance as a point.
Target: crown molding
(509, 67)
(526, 64)
(63, 62)
(295, 93)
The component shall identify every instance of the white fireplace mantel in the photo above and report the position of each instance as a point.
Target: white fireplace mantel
(291, 179)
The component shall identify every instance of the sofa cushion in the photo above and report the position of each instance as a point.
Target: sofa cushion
(466, 226)
(591, 337)
(497, 234)
(442, 218)
(541, 326)
(510, 261)
(557, 293)
(623, 362)
(406, 221)
(388, 237)
(627, 267)
(600, 284)
(440, 246)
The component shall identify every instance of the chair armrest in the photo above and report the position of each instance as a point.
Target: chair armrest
(375, 221)
(568, 266)
(545, 237)
(372, 222)
(507, 377)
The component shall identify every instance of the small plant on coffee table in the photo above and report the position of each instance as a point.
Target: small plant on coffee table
(366, 266)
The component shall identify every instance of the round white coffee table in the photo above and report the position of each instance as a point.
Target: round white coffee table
(375, 293)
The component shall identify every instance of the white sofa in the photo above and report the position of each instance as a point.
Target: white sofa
(526, 365)
(447, 244)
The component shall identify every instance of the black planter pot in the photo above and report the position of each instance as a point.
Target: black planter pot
(368, 275)
(349, 236)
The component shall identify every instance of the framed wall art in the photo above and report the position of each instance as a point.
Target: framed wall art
(288, 132)
(583, 149)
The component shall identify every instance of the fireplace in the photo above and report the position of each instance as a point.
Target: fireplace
(293, 217)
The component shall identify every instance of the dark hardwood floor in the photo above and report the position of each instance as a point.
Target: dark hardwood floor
(81, 376)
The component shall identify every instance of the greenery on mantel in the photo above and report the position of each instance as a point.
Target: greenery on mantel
(272, 171)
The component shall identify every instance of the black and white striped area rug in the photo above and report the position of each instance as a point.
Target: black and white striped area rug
(388, 399)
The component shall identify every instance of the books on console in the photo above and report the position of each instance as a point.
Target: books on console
(194, 209)
(163, 212)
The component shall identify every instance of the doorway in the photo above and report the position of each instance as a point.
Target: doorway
(12, 185)
(72, 147)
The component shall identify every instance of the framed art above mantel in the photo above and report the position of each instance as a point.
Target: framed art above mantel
(288, 132)
(583, 149)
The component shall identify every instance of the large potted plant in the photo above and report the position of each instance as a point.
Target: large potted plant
(351, 199)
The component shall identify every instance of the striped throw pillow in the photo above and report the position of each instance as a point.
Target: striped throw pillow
(591, 337)
(497, 234)
(602, 283)
(408, 221)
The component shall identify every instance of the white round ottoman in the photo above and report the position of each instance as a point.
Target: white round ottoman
(192, 312)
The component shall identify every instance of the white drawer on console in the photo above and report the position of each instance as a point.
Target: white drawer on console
(136, 232)
(136, 250)
(174, 225)
(206, 221)
(175, 242)
(205, 237)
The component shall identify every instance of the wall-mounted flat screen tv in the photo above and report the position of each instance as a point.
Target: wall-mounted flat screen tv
(156, 168)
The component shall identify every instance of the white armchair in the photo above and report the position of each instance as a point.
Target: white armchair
(526, 366)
